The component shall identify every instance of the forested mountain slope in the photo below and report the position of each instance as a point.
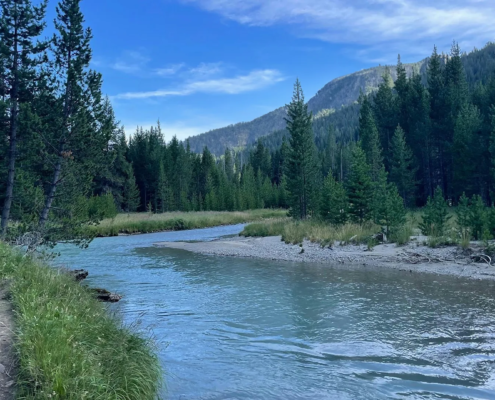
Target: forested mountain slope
(335, 94)
(329, 105)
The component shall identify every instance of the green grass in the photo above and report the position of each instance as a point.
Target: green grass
(316, 231)
(175, 221)
(68, 345)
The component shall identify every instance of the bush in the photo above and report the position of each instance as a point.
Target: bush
(101, 207)
(435, 215)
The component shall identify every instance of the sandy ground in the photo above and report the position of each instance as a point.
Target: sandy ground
(413, 257)
(6, 355)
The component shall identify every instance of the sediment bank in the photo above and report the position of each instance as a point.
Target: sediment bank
(412, 258)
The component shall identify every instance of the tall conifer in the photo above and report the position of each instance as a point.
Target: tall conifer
(21, 23)
(301, 167)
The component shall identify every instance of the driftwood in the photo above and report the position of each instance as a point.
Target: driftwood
(481, 258)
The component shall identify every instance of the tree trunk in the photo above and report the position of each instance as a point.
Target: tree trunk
(11, 175)
(9, 195)
(51, 194)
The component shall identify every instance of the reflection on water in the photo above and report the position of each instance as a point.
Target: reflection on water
(251, 329)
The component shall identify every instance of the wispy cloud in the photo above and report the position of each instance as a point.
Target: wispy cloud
(397, 23)
(204, 70)
(131, 62)
(169, 70)
(255, 80)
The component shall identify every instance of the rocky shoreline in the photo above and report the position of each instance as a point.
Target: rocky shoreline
(413, 257)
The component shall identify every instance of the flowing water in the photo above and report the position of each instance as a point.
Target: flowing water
(250, 329)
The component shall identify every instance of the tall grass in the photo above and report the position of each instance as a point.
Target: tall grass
(176, 221)
(68, 345)
(295, 232)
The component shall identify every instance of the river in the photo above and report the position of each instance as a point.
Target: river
(251, 329)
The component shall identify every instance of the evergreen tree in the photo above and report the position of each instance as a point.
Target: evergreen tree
(301, 170)
(462, 213)
(391, 213)
(435, 216)
(478, 217)
(402, 90)
(80, 88)
(130, 196)
(21, 23)
(334, 203)
(402, 169)
(329, 154)
(370, 141)
(385, 112)
(359, 187)
(466, 131)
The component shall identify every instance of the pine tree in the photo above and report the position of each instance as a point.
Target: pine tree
(435, 215)
(329, 154)
(359, 187)
(477, 217)
(419, 137)
(438, 112)
(72, 57)
(334, 203)
(462, 213)
(370, 140)
(467, 127)
(402, 169)
(301, 169)
(393, 213)
(402, 90)
(385, 112)
(21, 23)
(130, 195)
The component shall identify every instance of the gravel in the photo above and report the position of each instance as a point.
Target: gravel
(413, 257)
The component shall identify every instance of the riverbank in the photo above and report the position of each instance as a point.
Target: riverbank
(135, 223)
(412, 257)
(67, 344)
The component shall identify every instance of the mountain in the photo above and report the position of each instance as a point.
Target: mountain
(333, 104)
(333, 96)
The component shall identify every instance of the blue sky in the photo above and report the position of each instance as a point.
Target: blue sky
(203, 64)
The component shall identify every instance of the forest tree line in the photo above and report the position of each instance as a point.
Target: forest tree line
(67, 162)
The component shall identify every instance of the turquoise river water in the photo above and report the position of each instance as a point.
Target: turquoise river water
(230, 328)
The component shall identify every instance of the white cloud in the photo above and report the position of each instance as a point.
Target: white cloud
(132, 62)
(170, 70)
(204, 70)
(255, 80)
(398, 23)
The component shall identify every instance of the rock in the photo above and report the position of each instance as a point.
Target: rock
(2, 369)
(106, 296)
(79, 274)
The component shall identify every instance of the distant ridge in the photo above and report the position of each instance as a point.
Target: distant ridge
(332, 97)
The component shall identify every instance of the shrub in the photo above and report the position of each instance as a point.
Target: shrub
(435, 215)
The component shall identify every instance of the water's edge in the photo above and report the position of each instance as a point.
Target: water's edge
(251, 328)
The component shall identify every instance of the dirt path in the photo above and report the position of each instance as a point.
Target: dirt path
(6, 356)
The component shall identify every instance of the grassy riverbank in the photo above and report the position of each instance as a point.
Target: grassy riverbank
(295, 232)
(175, 221)
(317, 231)
(68, 345)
